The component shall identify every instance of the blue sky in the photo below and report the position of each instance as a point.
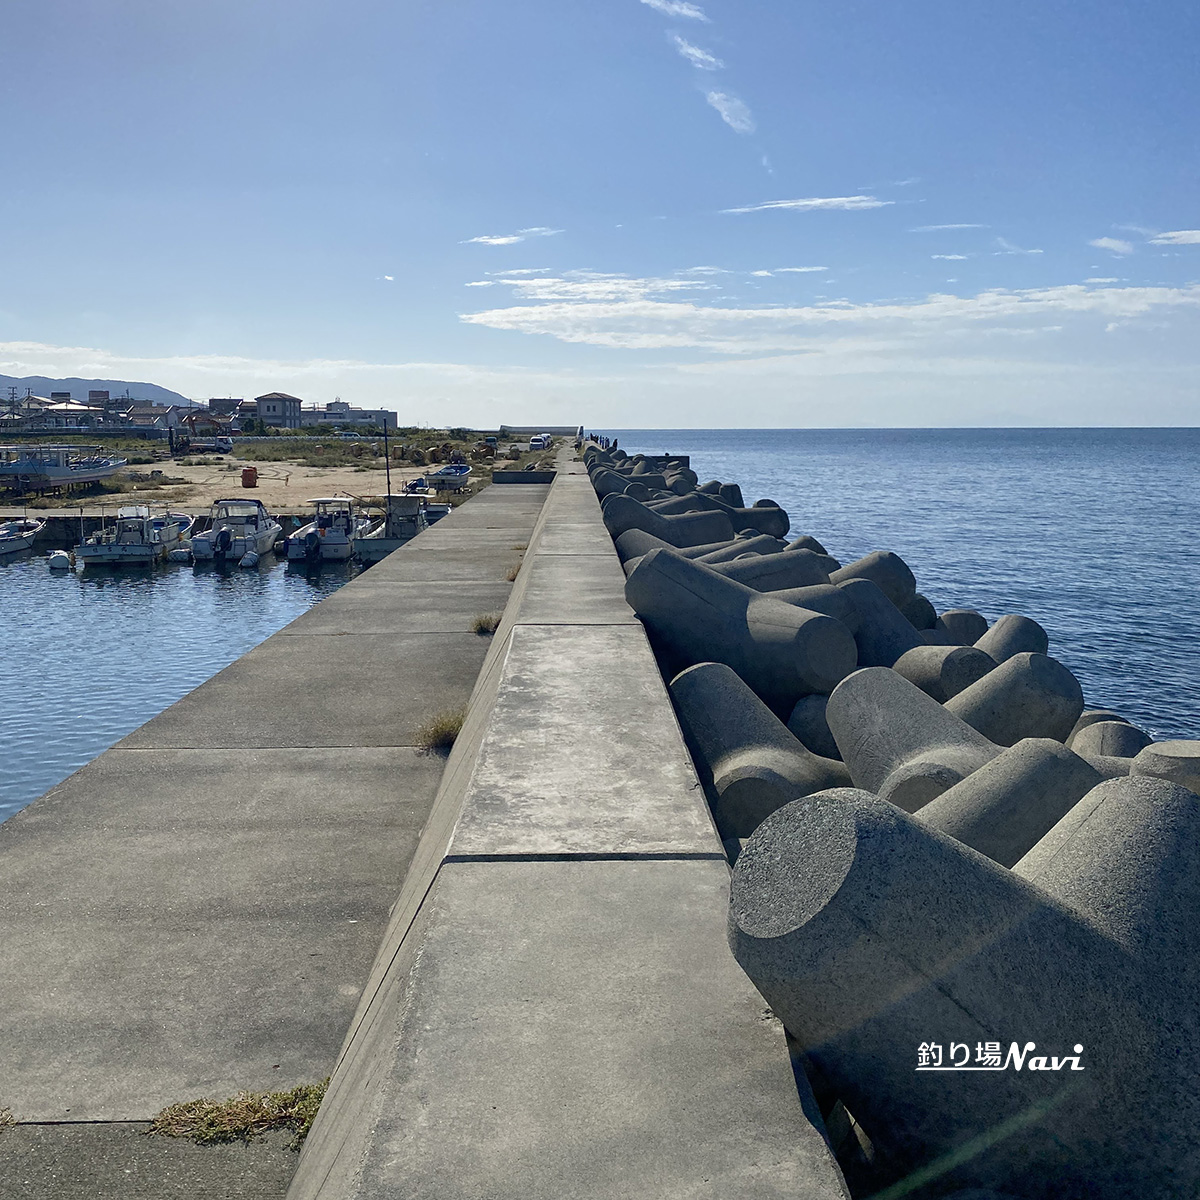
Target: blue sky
(627, 213)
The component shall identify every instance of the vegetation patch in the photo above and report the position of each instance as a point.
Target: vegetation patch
(437, 734)
(6, 1117)
(243, 1117)
(486, 623)
(513, 572)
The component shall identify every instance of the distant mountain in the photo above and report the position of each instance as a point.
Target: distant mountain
(79, 388)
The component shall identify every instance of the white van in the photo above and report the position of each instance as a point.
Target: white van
(537, 442)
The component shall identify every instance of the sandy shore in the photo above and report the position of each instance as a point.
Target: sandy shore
(283, 487)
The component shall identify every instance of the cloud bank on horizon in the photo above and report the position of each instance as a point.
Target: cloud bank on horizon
(876, 207)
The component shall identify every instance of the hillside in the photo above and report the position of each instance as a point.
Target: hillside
(79, 388)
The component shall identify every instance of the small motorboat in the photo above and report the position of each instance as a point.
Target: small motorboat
(236, 526)
(403, 517)
(330, 535)
(451, 478)
(18, 534)
(136, 539)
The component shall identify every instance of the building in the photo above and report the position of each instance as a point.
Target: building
(338, 412)
(224, 406)
(279, 409)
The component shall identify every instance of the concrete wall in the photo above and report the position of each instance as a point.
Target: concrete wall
(554, 1010)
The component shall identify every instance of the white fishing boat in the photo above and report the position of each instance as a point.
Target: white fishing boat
(330, 535)
(236, 529)
(403, 517)
(38, 468)
(18, 534)
(135, 539)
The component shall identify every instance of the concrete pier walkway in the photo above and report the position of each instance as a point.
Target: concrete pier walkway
(196, 911)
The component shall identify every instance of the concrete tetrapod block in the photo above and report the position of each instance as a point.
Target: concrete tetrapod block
(804, 542)
(943, 671)
(1178, 761)
(883, 632)
(760, 543)
(1003, 809)
(1128, 856)
(887, 571)
(1027, 695)
(1013, 635)
(1092, 716)
(764, 516)
(899, 742)
(731, 493)
(963, 626)
(873, 936)
(1108, 766)
(687, 529)
(775, 572)
(752, 762)
(782, 652)
(1112, 739)
(824, 598)
(633, 543)
(809, 723)
(920, 612)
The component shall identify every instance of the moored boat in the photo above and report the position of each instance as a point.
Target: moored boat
(39, 468)
(237, 527)
(18, 534)
(135, 539)
(403, 518)
(329, 536)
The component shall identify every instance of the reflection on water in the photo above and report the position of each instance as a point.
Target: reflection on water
(89, 655)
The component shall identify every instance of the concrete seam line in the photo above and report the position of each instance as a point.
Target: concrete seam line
(591, 856)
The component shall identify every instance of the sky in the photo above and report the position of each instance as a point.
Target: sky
(623, 213)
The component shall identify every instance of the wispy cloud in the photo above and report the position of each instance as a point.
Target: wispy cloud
(704, 271)
(951, 257)
(1177, 237)
(390, 278)
(1104, 279)
(644, 323)
(733, 111)
(697, 57)
(814, 204)
(1115, 245)
(798, 270)
(1004, 246)
(596, 286)
(763, 274)
(481, 283)
(939, 228)
(677, 8)
(511, 239)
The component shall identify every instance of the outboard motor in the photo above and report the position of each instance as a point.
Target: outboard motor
(222, 543)
(312, 547)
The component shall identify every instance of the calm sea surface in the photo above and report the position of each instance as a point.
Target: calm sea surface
(1091, 532)
(86, 657)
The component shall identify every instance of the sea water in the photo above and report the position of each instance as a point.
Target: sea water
(87, 656)
(1092, 532)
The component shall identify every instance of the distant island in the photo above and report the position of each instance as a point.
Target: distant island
(42, 385)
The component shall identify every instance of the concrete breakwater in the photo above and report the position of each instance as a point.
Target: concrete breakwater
(968, 897)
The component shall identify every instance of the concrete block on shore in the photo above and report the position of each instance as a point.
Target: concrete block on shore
(919, 612)
(753, 764)
(976, 955)
(804, 542)
(774, 572)
(1114, 739)
(1090, 716)
(781, 651)
(887, 571)
(687, 529)
(759, 543)
(1013, 635)
(943, 671)
(1026, 696)
(900, 743)
(809, 723)
(1178, 761)
(883, 632)
(963, 626)
(824, 598)
(1007, 806)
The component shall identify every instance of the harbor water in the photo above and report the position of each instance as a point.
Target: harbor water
(90, 655)
(1092, 532)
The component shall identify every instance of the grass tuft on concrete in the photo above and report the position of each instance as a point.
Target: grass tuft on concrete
(437, 734)
(485, 624)
(6, 1116)
(243, 1117)
(513, 572)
